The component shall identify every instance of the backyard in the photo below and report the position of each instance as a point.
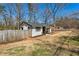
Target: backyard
(58, 43)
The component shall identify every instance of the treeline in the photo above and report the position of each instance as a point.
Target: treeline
(12, 14)
(68, 23)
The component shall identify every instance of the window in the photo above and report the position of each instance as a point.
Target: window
(38, 28)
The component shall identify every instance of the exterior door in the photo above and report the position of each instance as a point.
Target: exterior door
(44, 30)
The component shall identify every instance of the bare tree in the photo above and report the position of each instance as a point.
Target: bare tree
(11, 10)
(1, 8)
(30, 11)
(32, 8)
(54, 9)
(46, 14)
(7, 15)
(20, 13)
(4, 14)
(1, 11)
(10, 14)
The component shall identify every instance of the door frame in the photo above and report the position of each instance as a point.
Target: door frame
(44, 30)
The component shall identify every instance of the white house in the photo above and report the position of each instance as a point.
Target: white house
(35, 29)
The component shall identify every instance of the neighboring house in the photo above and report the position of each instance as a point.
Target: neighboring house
(35, 29)
(56, 27)
(25, 26)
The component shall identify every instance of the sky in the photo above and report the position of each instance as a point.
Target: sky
(65, 11)
(70, 8)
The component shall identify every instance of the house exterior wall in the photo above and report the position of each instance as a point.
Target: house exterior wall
(25, 27)
(30, 32)
(36, 33)
(50, 30)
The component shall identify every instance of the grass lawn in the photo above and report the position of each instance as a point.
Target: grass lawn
(17, 50)
(49, 49)
(64, 46)
(45, 49)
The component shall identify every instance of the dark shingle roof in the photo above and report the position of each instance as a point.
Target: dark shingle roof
(36, 24)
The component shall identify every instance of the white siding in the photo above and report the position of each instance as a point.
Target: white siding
(50, 30)
(25, 27)
(36, 33)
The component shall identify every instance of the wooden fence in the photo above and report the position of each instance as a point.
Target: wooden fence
(12, 35)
